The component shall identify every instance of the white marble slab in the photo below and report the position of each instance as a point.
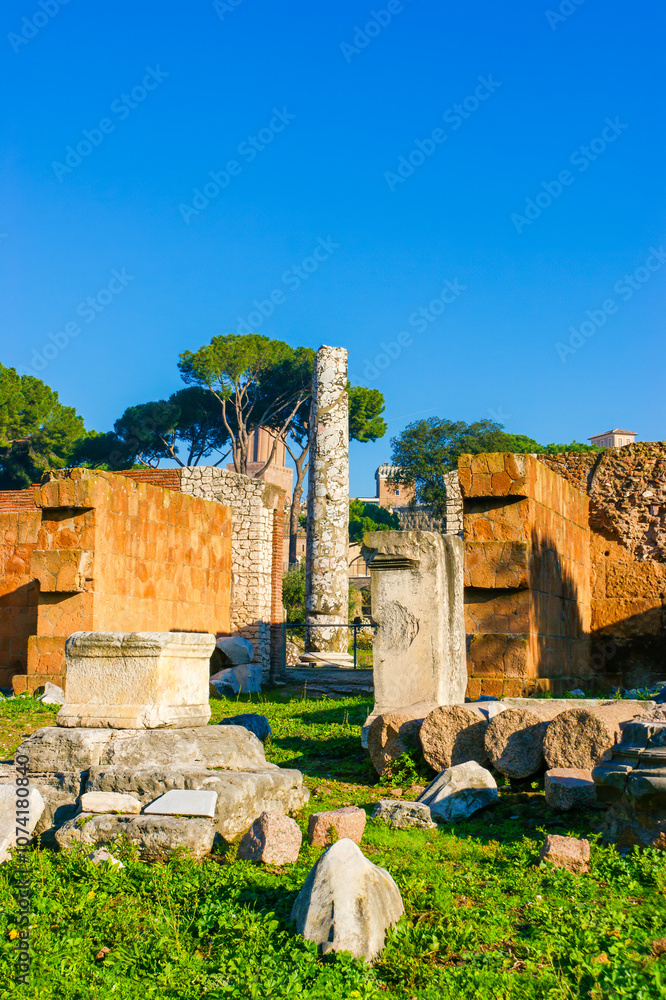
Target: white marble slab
(183, 802)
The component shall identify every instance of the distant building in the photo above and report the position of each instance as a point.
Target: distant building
(613, 439)
(259, 449)
(389, 492)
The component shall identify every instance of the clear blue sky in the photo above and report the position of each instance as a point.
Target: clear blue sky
(180, 86)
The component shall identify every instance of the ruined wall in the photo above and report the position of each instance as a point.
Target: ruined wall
(627, 491)
(113, 554)
(19, 524)
(527, 576)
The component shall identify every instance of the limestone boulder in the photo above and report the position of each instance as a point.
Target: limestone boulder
(241, 795)
(59, 749)
(348, 822)
(566, 852)
(232, 650)
(157, 837)
(17, 815)
(570, 788)
(273, 839)
(257, 724)
(347, 903)
(52, 695)
(460, 791)
(246, 678)
(103, 857)
(403, 815)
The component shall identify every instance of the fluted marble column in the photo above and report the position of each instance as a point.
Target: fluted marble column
(327, 586)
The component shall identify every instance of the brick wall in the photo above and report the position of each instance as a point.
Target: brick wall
(113, 554)
(527, 576)
(19, 525)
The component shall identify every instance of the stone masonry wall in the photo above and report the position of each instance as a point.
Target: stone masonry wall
(527, 576)
(19, 592)
(117, 555)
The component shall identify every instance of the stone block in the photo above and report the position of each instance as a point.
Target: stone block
(102, 857)
(183, 802)
(566, 852)
(273, 839)
(403, 815)
(234, 650)
(109, 802)
(137, 680)
(157, 837)
(460, 791)
(570, 788)
(18, 816)
(347, 822)
(417, 601)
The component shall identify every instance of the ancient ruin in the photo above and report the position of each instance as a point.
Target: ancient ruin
(327, 587)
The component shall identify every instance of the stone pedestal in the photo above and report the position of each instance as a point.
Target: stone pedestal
(417, 601)
(137, 680)
(327, 584)
(633, 783)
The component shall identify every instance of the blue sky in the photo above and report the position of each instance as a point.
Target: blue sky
(539, 200)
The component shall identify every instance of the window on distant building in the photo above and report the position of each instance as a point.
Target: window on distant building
(397, 493)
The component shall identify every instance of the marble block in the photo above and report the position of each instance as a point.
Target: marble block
(183, 802)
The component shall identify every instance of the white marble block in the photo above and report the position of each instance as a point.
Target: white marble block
(184, 802)
(137, 680)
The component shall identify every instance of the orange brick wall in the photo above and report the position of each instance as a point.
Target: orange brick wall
(113, 554)
(527, 576)
(19, 525)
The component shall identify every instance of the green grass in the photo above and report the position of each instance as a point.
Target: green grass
(483, 920)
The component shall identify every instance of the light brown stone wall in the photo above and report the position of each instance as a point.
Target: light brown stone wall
(113, 554)
(527, 576)
(19, 525)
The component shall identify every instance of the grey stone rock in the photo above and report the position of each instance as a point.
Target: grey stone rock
(257, 724)
(109, 802)
(60, 749)
(102, 857)
(347, 903)
(184, 802)
(234, 650)
(15, 816)
(244, 679)
(403, 815)
(53, 695)
(570, 788)
(241, 795)
(273, 839)
(459, 792)
(157, 837)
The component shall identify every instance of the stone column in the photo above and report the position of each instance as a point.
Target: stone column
(327, 582)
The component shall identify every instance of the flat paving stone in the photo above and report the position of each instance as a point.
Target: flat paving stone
(183, 802)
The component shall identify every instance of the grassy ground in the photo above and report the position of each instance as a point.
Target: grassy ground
(483, 919)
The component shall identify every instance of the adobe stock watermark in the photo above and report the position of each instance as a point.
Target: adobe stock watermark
(224, 7)
(31, 26)
(378, 20)
(453, 116)
(581, 158)
(122, 107)
(88, 311)
(292, 278)
(626, 287)
(249, 149)
(419, 320)
(563, 12)
(22, 835)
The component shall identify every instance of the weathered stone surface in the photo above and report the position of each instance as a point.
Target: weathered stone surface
(52, 695)
(109, 802)
(14, 813)
(394, 733)
(417, 601)
(347, 903)
(102, 857)
(514, 742)
(327, 580)
(566, 852)
(228, 747)
(583, 737)
(459, 792)
(257, 724)
(454, 734)
(570, 788)
(403, 815)
(244, 679)
(157, 837)
(348, 822)
(241, 795)
(273, 838)
(234, 650)
(137, 680)
(184, 802)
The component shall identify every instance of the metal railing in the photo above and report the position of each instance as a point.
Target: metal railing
(355, 625)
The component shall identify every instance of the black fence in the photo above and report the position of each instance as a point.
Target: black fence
(357, 625)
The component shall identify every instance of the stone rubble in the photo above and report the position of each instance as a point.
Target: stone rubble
(9, 810)
(109, 802)
(403, 815)
(348, 823)
(460, 791)
(273, 839)
(566, 852)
